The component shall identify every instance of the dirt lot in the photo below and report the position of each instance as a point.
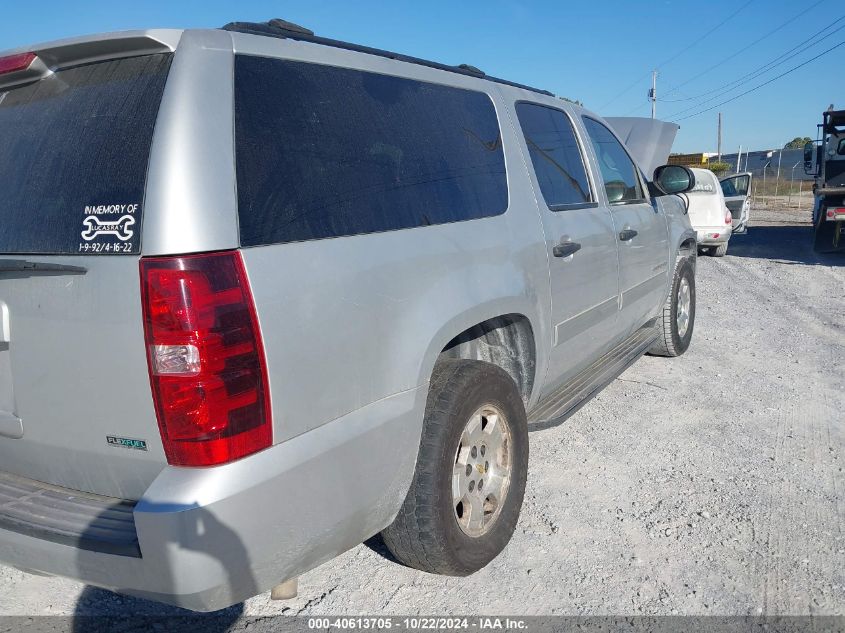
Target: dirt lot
(708, 484)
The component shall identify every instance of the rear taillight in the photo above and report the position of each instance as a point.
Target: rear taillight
(14, 63)
(206, 359)
(728, 217)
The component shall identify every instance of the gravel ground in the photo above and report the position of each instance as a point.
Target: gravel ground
(708, 484)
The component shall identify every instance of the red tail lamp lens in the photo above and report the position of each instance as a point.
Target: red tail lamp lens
(14, 63)
(728, 218)
(206, 359)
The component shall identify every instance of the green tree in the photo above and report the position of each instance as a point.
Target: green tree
(717, 168)
(798, 142)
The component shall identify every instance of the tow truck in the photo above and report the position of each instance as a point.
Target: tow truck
(824, 159)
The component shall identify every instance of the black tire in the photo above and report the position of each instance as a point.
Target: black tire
(669, 342)
(425, 534)
(824, 237)
(720, 250)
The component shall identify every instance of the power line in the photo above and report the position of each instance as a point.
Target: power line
(774, 63)
(745, 48)
(694, 42)
(678, 54)
(626, 90)
(762, 70)
(635, 108)
(765, 83)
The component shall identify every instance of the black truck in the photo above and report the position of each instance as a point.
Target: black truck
(825, 160)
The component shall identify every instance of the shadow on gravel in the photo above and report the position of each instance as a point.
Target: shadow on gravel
(200, 531)
(101, 610)
(789, 243)
(376, 544)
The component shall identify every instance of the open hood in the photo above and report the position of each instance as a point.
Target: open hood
(648, 140)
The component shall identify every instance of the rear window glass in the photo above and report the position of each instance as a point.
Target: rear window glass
(325, 151)
(705, 182)
(73, 157)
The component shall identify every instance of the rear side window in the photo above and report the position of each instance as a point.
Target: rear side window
(324, 152)
(617, 169)
(555, 155)
(73, 157)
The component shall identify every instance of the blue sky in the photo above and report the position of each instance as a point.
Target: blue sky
(599, 52)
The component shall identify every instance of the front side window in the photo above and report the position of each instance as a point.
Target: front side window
(323, 151)
(736, 186)
(617, 169)
(555, 155)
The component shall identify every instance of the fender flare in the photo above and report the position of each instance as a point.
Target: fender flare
(518, 306)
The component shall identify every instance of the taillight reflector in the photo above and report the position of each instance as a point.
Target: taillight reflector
(206, 359)
(14, 63)
(728, 218)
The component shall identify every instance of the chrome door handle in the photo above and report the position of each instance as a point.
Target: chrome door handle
(627, 234)
(565, 249)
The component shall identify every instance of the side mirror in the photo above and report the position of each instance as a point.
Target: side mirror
(669, 179)
(809, 157)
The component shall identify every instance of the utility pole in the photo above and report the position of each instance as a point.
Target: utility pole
(739, 159)
(652, 94)
(719, 139)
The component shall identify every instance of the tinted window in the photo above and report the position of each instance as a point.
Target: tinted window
(555, 155)
(73, 157)
(325, 151)
(617, 169)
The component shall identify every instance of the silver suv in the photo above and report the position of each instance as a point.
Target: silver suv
(264, 295)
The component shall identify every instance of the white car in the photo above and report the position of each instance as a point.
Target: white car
(708, 213)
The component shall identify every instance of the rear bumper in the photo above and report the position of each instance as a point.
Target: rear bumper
(212, 537)
(705, 235)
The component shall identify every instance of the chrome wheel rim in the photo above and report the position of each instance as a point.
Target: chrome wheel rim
(482, 472)
(683, 307)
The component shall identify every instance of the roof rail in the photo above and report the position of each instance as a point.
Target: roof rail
(289, 30)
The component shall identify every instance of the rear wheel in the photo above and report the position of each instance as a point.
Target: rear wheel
(674, 326)
(720, 250)
(466, 495)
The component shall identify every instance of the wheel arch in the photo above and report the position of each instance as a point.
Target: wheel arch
(501, 334)
(688, 247)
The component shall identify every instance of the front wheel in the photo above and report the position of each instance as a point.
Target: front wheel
(466, 495)
(675, 324)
